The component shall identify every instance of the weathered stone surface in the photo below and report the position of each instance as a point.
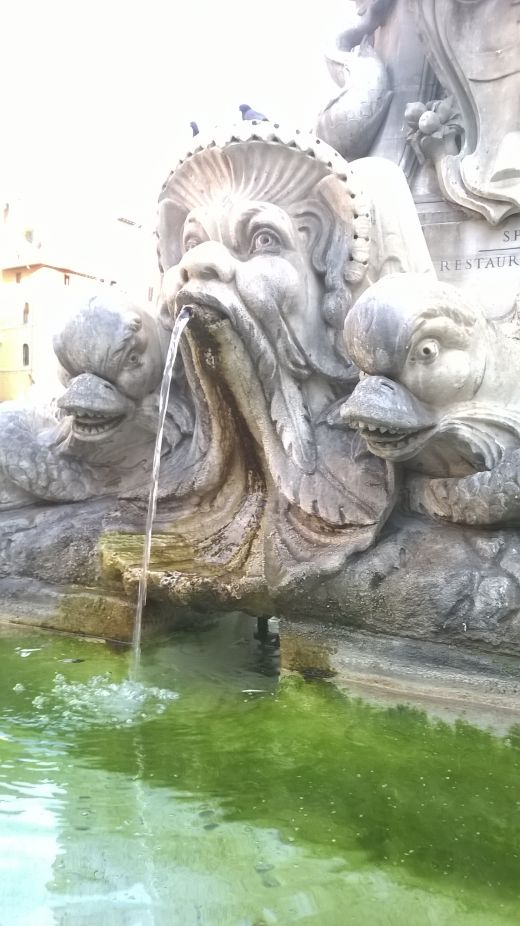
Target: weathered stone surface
(422, 580)
(481, 259)
(278, 247)
(366, 115)
(448, 681)
(351, 119)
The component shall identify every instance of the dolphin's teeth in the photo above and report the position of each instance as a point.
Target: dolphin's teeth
(383, 430)
(392, 430)
(372, 427)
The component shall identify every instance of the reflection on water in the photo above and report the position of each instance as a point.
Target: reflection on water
(209, 793)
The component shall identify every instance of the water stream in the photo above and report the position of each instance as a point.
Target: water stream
(180, 324)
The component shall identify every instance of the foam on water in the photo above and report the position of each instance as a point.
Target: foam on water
(102, 702)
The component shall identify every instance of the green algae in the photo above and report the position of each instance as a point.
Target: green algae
(273, 803)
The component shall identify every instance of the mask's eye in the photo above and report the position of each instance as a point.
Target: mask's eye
(265, 240)
(191, 241)
(426, 351)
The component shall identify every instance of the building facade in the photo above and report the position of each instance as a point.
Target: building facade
(32, 301)
(37, 291)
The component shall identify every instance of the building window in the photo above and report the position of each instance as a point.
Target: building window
(150, 293)
(26, 313)
(25, 355)
(66, 279)
(18, 276)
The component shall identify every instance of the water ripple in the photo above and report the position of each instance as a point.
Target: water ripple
(101, 702)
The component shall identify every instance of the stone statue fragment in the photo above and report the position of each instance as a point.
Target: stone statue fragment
(474, 48)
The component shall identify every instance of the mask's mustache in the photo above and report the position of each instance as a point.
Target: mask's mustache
(253, 332)
(196, 303)
(278, 362)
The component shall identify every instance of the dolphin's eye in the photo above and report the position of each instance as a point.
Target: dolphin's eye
(427, 351)
(191, 241)
(133, 359)
(265, 239)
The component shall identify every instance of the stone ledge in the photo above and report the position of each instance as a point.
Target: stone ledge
(480, 687)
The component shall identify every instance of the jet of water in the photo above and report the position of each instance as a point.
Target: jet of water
(180, 324)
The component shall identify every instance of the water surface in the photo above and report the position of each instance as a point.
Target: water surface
(207, 792)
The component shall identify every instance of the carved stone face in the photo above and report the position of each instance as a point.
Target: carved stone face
(263, 239)
(248, 274)
(253, 259)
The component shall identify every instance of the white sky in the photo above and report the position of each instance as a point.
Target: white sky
(97, 95)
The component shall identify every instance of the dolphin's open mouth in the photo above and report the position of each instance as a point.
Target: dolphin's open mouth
(391, 420)
(380, 437)
(95, 405)
(91, 425)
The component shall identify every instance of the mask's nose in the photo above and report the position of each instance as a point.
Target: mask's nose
(207, 261)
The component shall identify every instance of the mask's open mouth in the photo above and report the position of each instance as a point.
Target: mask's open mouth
(201, 305)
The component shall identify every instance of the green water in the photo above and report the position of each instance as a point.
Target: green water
(208, 792)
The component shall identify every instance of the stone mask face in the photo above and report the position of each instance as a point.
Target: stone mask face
(254, 259)
(264, 239)
(282, 208)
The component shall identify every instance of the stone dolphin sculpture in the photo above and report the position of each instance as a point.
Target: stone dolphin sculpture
(112, 356)
(32, 468)
(98, 437)
(439, 392)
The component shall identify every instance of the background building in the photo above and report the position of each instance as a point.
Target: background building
(44, 274)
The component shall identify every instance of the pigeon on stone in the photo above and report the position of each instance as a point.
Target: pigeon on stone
(251, 114)
(194, 128)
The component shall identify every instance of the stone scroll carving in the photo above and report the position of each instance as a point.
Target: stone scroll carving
(474, 48)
